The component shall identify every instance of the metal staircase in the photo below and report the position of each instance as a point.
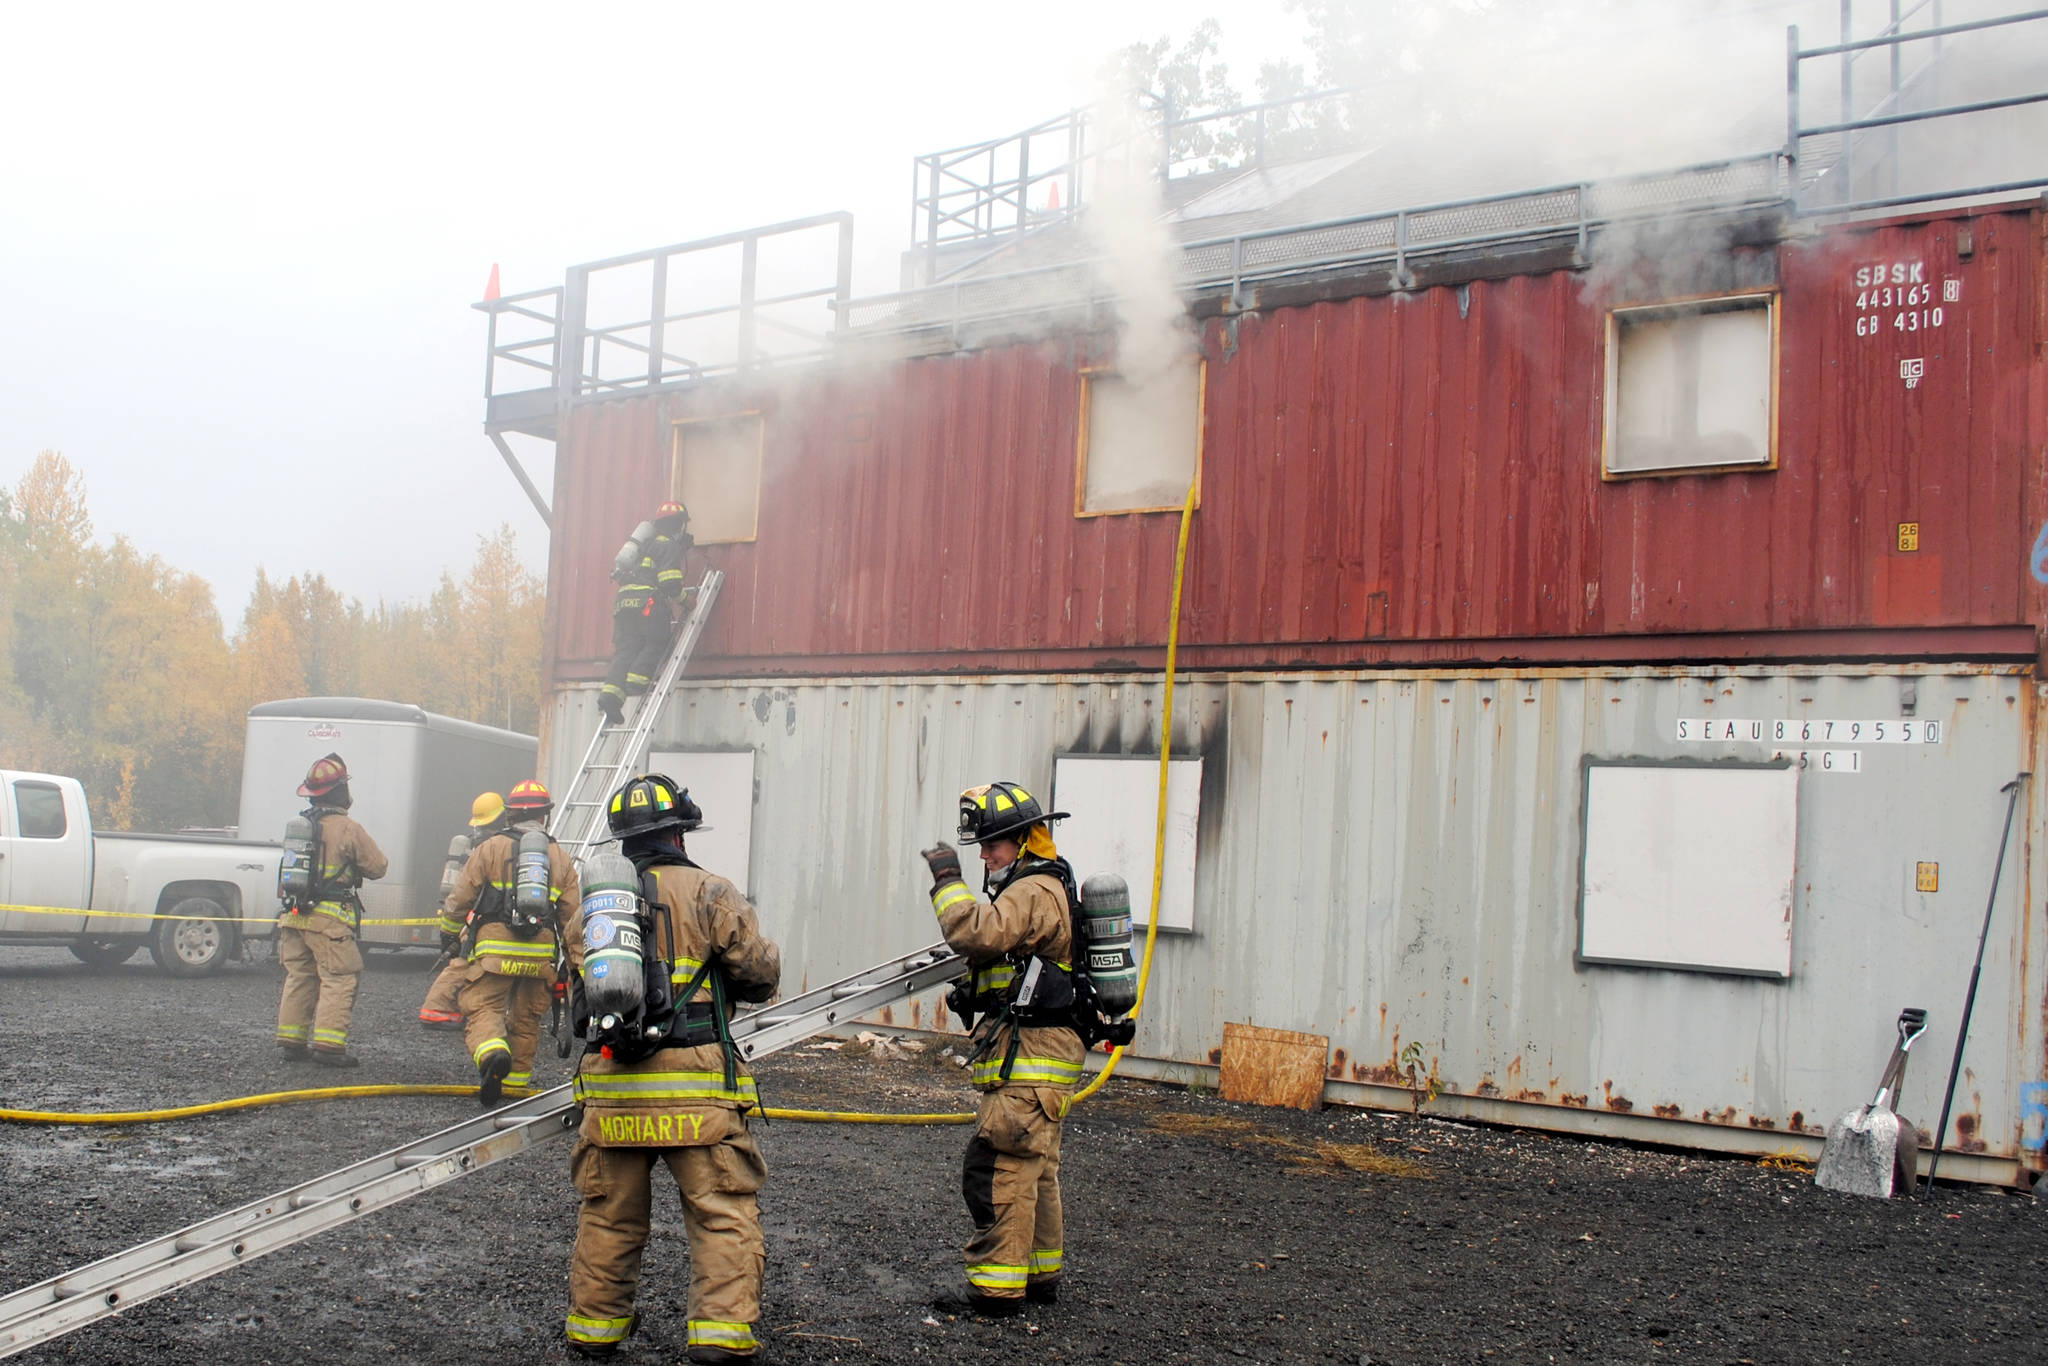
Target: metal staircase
(39, 1313)
(615, 752)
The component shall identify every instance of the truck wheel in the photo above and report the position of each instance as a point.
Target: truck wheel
(102, 954)
(194, 947)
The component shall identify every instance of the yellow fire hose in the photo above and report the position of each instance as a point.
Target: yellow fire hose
(1180, 560)
(359, 1092)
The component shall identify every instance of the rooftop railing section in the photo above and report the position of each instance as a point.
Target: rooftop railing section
(1926, 107)
(722, 305)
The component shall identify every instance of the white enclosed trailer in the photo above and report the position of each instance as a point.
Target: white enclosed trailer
(412, 775)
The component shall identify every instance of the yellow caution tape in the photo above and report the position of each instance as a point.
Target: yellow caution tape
(228, 919)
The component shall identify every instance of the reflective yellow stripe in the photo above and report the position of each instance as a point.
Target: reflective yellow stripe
(291, 1033)
(997, 978)
(642, 1086)
(518, 1078)
(507, 948)
(993, 1276)
(1046, 1260)
(488, 1047)
(683, 969)
(1031, 1071)
(581, 1329)
(734, 1337)
(947, 897)
(447, 926)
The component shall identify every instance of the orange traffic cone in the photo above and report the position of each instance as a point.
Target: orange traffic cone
(491, 289)
(1052, 202)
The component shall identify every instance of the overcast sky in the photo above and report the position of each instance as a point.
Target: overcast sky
(238, 246)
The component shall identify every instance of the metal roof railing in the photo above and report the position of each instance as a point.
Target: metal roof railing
(1397, 237)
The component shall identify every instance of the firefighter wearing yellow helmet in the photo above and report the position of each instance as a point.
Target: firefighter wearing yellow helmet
(440, 1010)
(1018, 941)
(662, 1082)
(316, 930)
(517, 889)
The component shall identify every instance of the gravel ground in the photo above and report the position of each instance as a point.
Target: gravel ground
(1197, 1230)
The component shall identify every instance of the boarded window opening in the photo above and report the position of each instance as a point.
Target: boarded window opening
(1114, 801)
(1692, 387)
(1689, 865)
(1141, 443)
(715, 472)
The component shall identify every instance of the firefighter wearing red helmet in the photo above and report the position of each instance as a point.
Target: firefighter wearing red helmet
(517, 889)
(1019, 945)
(316, 933)
(680, 1102)
(649, 571)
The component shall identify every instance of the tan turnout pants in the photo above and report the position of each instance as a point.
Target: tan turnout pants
(503, 1015)
(718, 1182)
(322, 966)
(1011, 1181)
(442, 995)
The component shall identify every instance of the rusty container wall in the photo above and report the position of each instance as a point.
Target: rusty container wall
(1393, 858)
(1401, 478)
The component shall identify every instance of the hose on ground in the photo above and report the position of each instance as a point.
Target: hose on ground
(216, 1107)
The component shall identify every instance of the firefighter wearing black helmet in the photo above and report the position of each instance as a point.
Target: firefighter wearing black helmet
(649, 571)
(1019, 945)
(316, 937)
(685, 1103)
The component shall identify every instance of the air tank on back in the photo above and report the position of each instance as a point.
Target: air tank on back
(613, 948)
(532, 892)
(629, 553)
(458, 858)
(295, 867)
(1106, 936)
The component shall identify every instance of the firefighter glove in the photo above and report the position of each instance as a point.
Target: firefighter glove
(944, 861)
(449, 944)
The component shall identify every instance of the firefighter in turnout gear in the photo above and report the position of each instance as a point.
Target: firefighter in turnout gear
(316, 932)
(649, 570)
(1019, 946)
(440, 1010)
(680, 1098)
(516, 889)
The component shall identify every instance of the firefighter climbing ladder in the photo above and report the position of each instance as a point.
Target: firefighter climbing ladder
(615, 751)
(42, 1312)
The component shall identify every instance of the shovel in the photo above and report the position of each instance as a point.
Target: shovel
(1870, 1150)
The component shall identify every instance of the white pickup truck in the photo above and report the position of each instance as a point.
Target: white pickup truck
(53, 868)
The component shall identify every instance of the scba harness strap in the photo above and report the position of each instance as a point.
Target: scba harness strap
(676, 1020)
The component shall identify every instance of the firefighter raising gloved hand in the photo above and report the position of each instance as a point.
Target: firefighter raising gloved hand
(517, 887)
(663, 950)
(649, 571)
(1019, 946)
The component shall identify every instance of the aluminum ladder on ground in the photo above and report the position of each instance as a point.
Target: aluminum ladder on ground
(579, 813)
(48, 1310)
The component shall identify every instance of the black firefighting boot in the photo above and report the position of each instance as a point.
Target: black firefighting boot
(1043, 1292)
(491, 1074)
(612, 708)
(704, 1353)
(958, 1297)
(336, 1057)
(294, 1052)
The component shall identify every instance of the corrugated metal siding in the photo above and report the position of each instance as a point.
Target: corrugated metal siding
(1393, 859)
(1399, 468)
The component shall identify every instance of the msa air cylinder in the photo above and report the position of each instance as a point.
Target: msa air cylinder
(613, 946)
(1106, 932)
(295, 868)
(458, 859)
(532, 896)
(629, 553)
